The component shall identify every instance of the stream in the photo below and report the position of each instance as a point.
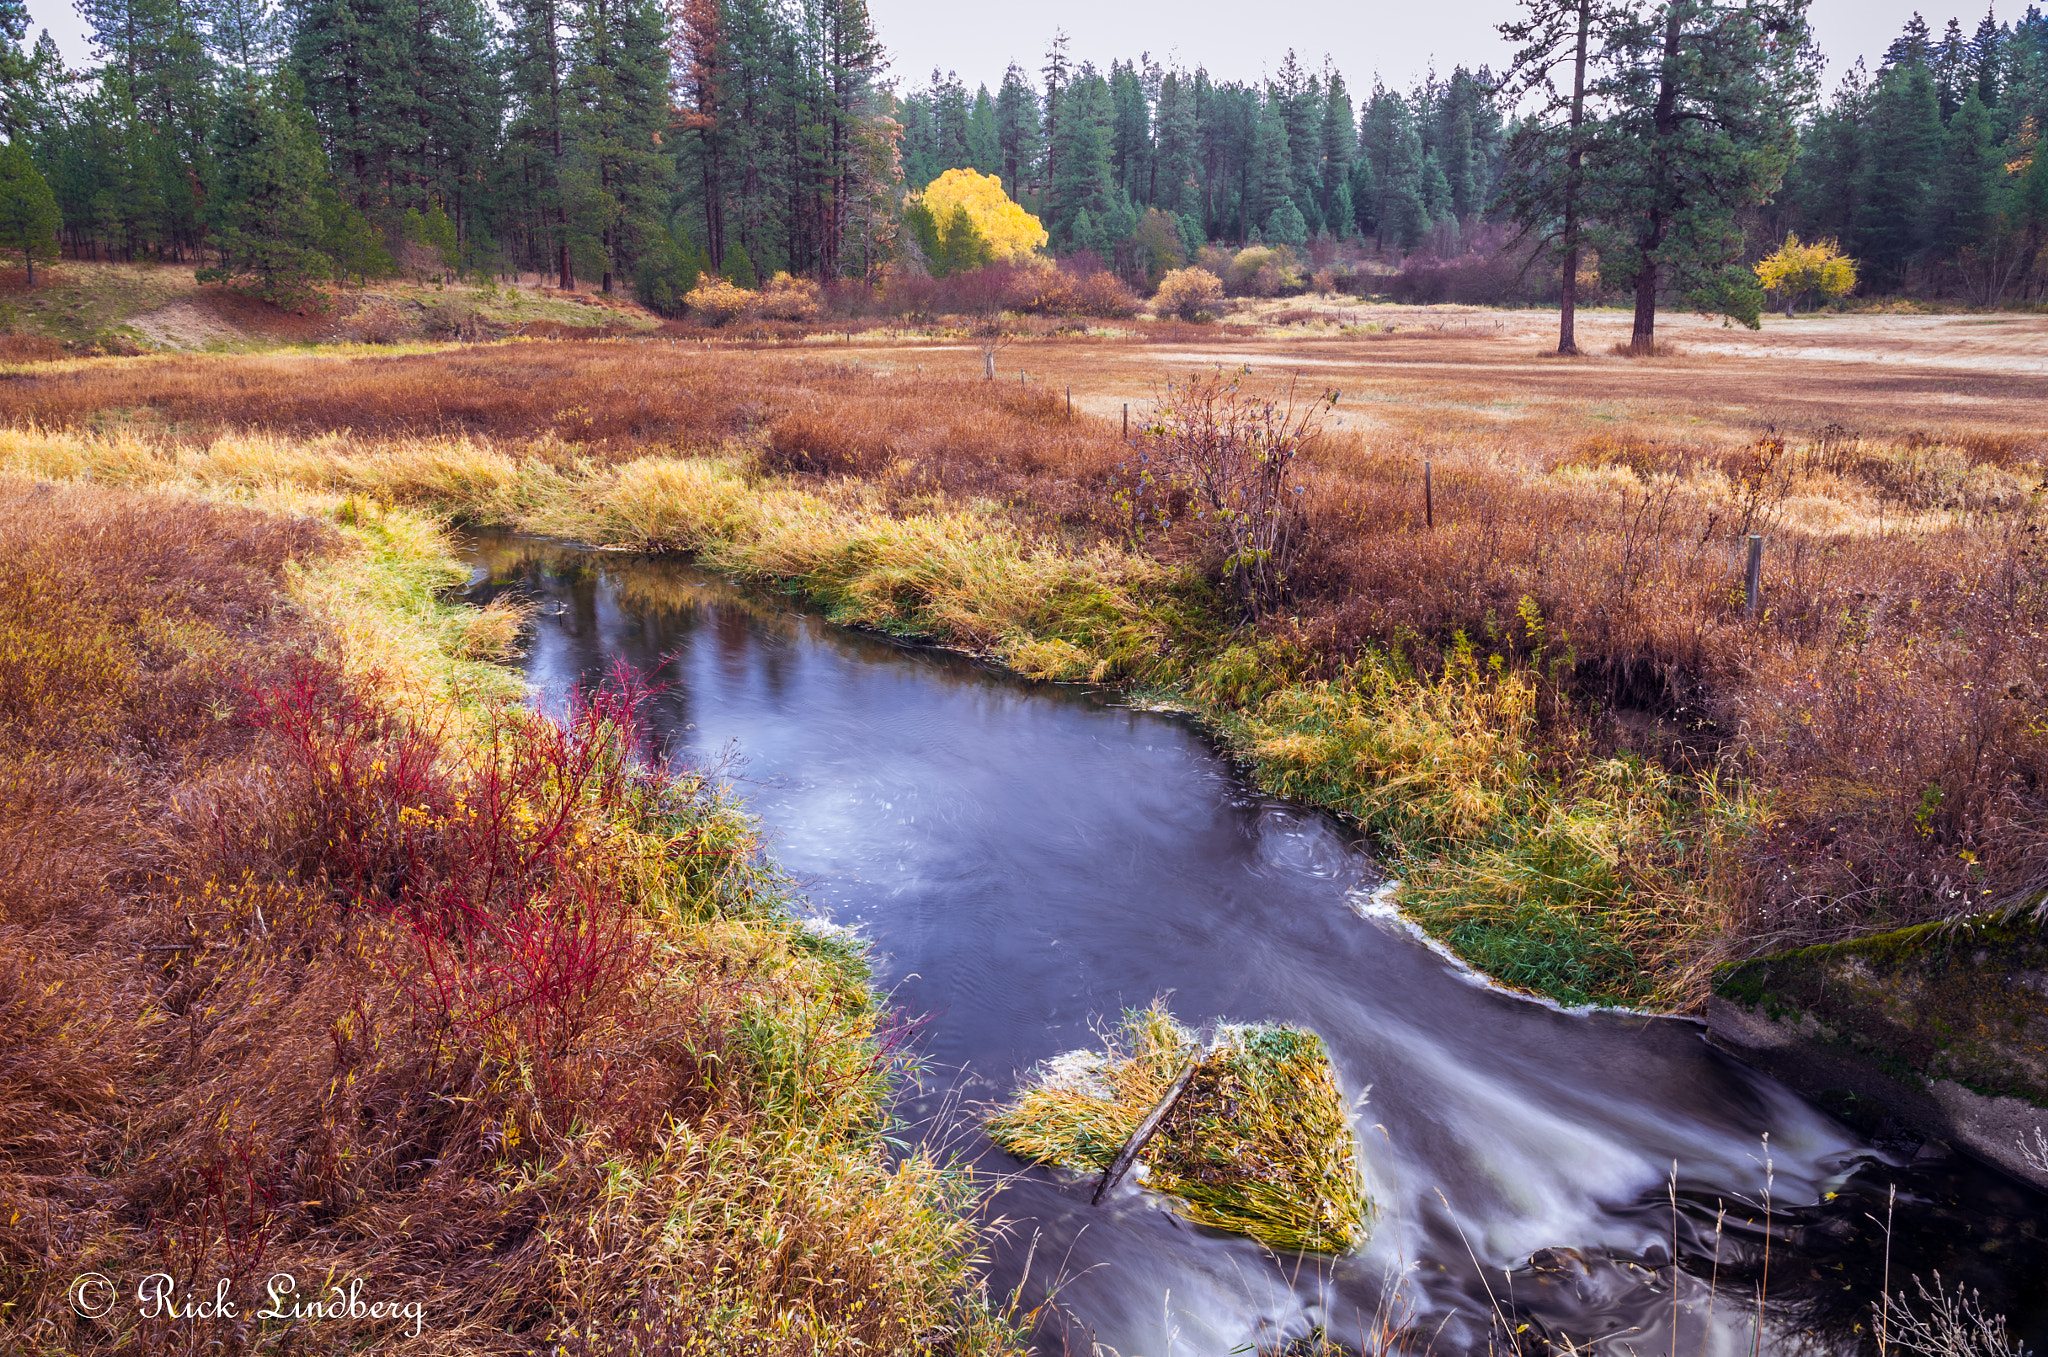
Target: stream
(1027, 860)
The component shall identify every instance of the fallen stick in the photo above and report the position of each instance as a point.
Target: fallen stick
(1147, 1128)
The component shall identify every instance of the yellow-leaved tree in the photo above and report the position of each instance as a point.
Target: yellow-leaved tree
(964, 218)
(1796, 270)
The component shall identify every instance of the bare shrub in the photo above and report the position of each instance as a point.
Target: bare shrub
(1234, 454)
(24, 348)
(1950, 1324)
(376, 324)
(1103, 294)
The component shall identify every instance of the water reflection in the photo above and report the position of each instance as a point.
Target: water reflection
(1030, 859)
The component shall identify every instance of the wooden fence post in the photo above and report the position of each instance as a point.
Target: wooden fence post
(1127, 421)
(1428, 497)
(1753, 575)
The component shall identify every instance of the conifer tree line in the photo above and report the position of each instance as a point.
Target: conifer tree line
(578, 139)
(639, 143)
(1928, 170)
(1104, 156)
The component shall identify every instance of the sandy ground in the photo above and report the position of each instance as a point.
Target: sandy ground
(185, 325)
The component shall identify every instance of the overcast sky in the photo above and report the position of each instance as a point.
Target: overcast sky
(1396, 39)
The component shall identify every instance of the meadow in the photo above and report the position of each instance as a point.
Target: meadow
(1595, 770)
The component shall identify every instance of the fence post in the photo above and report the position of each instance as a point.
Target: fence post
(1753, 576)
(1428, 497)
(1127, 421)
(1070, 402)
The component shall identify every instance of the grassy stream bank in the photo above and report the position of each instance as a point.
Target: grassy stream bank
(322, 956)
(1595, 884)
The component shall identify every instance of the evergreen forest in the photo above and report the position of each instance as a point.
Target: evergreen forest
(632, 144)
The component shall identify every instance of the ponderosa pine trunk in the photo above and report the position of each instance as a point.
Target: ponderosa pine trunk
(1664, 124)
(1574, 171)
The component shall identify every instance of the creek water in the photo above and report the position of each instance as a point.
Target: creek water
(1028, 860)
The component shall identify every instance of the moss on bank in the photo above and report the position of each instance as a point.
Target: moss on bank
(1966, 1002)
(1601, 886)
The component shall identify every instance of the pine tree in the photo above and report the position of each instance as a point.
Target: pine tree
(538, 70)
(1285, 226)
(1130, 133)
(1339, 134)
(1703, 94)
(1080, 159)
(245, 36)
(1969, 180)
(983, 151)
(1913, 47)
(1905, 134)
(705, 71)
(1269, 176)
(1437, 203)
(1177, 163)
(355, 60)
(619, 86)
(1365, 196)
(28, 212)
(1056, 72)
(1986, 49)
(1403, 212)
(1545, 187)
(158, 80)
(949, 122)
(1017, 134)
(1297, 97)
(264, 207)
(1949, 64)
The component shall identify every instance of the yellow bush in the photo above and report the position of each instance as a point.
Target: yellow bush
(1010, 231)
(717, 302)
(1188, 293)
(1798, 269)
(789, 298)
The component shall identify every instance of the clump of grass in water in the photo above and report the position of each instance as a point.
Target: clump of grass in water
(1257, 1144)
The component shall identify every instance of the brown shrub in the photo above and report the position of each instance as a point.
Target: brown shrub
(21, 348)
(1189, 294)
(1103, 294)
(789, 298)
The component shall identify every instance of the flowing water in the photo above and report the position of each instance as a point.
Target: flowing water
(1028, 860)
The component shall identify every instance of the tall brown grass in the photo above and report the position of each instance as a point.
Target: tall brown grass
(501, 1023)
(1878, 712)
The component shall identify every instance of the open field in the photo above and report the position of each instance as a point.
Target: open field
(1595, 771)
(1885, 374)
